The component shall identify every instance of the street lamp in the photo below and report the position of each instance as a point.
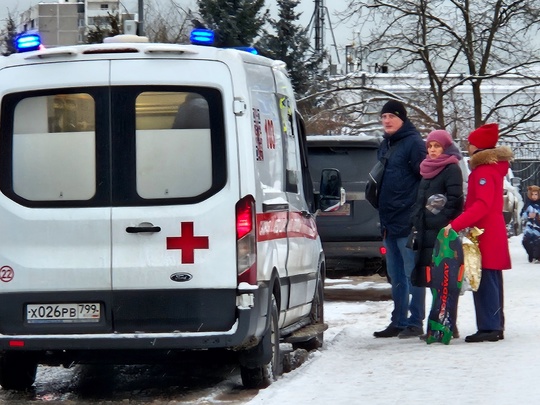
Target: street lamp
(348, 58)
(359, 53)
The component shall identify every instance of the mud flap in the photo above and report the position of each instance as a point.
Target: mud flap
(259, 355)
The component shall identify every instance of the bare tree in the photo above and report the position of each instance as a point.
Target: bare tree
(103, 27)
(456, 45)
(166, 22)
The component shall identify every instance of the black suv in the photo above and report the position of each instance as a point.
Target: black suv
(351, 236)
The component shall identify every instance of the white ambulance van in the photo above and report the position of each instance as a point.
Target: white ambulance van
(153, 198)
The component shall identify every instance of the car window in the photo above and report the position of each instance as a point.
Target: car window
(353, 163)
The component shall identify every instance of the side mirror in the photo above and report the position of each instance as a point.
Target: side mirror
(332, 195)
(515, 181)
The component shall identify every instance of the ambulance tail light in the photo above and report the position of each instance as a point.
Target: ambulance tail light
(246, 241)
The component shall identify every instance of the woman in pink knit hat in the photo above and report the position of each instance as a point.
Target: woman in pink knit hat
(484, 209)
(439, 200)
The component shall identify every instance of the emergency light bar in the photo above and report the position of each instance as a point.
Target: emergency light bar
(201, 36)
(28, 42)
(206, 37)
(246, 49)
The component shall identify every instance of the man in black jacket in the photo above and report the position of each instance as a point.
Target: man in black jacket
(397, 196)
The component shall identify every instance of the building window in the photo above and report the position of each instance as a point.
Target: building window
(104, 6)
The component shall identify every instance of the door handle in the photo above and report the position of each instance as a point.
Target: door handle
(143, 229)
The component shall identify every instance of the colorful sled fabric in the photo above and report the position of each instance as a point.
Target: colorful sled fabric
(445, 283)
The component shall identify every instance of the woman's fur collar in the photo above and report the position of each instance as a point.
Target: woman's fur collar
(491, 156)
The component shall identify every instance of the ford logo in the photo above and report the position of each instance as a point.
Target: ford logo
(181, 277)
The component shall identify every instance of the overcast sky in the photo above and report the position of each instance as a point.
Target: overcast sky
(343, 34)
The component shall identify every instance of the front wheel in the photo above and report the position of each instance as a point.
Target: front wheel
(261, 376)
(17, 370)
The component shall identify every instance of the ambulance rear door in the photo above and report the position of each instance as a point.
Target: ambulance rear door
(173, 223)
(55, 247)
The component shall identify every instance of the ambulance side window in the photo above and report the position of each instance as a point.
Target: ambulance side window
(289, 130)
(54, 143)
(172, 138)
(307, 183)
(291, 181)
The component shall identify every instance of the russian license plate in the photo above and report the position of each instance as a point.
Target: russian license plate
(63, 313)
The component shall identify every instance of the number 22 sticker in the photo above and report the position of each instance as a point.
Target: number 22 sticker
(6, 274)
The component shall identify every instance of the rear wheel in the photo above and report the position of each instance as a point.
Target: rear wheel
(17, 370)
(260, 376)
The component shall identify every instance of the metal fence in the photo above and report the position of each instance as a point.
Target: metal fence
(526, 163)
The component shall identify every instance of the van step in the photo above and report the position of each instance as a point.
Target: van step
(305, 333)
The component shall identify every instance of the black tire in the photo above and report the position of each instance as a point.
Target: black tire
(17, 370)
(262, 376)
(317, 318)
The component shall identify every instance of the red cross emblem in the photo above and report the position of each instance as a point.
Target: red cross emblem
(187, 242)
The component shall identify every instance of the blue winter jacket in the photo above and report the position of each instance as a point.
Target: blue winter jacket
(399, 185)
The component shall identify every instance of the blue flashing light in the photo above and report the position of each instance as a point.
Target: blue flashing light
(201, 36)
(247, 49)
(28, 42)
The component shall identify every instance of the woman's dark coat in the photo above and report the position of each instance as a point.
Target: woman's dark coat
(449, 182)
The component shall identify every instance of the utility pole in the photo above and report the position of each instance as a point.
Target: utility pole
(318, 15)
(318, 19)
(141, 18)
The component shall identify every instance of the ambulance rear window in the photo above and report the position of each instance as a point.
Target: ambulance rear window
(54, 148)
(172, 139)
(112, 146)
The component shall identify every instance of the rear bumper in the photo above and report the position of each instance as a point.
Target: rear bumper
(241, 334)
(247, 325)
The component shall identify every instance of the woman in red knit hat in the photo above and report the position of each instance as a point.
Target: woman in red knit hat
(484, 209)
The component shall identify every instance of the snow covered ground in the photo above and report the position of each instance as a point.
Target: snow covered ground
(355, 368)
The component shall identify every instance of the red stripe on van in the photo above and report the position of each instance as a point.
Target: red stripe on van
(274, 225)
(301, 226)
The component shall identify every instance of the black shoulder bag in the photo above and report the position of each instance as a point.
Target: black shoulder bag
(373, 186)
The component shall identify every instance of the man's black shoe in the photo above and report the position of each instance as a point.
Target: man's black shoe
(485, 336)
(390, 331)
